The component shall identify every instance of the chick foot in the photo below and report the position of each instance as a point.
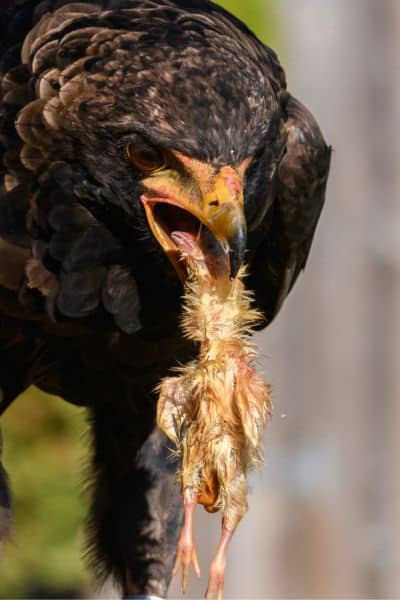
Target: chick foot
(186, 553)
(217, 568)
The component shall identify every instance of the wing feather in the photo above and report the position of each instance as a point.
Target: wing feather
(293, 216)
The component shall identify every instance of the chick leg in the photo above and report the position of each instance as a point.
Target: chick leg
(186, 553)
(217, 568)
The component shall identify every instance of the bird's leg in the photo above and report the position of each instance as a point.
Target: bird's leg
(186, 552)
(217, 568)
(136, 507)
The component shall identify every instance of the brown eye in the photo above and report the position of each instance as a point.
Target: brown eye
(147, 159)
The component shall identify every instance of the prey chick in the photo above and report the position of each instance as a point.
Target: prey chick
(215, 409)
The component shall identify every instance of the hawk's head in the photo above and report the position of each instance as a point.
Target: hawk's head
(167, 118)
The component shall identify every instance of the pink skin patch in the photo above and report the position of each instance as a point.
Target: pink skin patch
(214, 263)
(232, 182)
(189, 246)
(186, 242)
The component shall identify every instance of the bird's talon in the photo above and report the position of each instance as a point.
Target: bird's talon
(217, 568)
(176, 566)
(215, 584)
(186, 557)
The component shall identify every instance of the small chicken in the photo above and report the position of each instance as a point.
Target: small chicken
(215, 409)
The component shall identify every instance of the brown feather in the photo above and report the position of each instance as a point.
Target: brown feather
(12, 264)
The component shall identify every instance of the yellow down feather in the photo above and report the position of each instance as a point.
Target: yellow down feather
(216, 407)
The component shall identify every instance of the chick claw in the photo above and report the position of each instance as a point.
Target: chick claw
(186, 553)
(186, 556)
(216, 579)
(217, 568)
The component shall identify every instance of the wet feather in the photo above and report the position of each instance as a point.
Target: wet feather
(215, 409)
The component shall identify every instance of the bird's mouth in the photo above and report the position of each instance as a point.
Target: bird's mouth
(209, 235)
(184, 237)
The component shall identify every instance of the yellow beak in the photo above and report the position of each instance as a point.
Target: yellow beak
(212, 223)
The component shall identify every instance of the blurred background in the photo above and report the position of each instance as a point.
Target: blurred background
(324, 517)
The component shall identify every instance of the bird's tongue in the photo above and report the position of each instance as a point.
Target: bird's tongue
(204, 250)
(186, 242)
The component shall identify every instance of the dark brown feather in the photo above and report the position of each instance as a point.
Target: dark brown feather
(299, 195)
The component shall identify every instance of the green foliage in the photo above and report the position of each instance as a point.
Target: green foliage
(43, 452)
(259, 15)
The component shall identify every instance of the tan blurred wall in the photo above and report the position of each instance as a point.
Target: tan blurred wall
(324, 517)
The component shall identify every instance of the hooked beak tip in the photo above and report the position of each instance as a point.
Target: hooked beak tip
(237, 248)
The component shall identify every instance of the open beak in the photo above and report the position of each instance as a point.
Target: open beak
(209, 229)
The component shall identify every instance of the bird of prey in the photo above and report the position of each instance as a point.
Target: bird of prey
(129, 130)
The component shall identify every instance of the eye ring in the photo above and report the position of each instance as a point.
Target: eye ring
(145, 158)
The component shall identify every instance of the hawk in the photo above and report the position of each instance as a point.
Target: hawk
(129, 128)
